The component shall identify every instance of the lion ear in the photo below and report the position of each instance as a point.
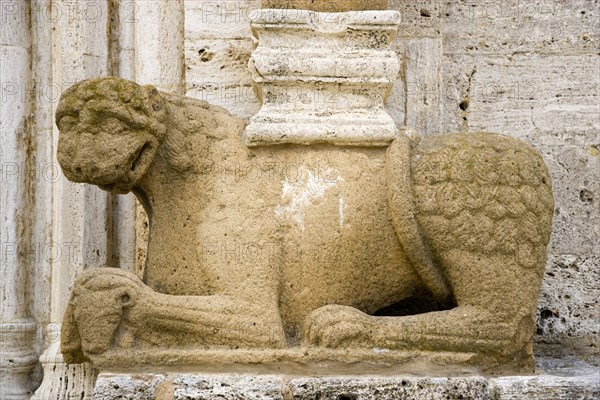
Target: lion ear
(154, 98)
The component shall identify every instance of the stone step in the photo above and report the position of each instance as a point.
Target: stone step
(564, 379)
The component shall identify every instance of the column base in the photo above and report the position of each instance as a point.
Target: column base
(17, 359)
(64, 381)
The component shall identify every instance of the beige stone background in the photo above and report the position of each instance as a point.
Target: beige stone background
(527, 68)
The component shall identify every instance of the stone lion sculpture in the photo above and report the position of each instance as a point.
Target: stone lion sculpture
(434, 245)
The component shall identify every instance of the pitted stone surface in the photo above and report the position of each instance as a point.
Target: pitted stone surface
(566, 379)
(569, 303)
(547, 388)
(128, 387)
(228, 387)
(308, 62)
(474, 388)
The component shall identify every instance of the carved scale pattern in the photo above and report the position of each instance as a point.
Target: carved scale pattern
(483, 193)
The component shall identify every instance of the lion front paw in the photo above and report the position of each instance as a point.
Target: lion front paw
(99, 301)
(337, 326)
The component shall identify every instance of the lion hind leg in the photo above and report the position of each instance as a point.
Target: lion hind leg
(494, 318)
(496, 299)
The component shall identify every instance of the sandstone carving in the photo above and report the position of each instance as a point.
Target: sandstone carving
(434, 245)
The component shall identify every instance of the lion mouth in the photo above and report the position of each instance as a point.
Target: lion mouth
(138, 161)
(141, 161)
(138, 165)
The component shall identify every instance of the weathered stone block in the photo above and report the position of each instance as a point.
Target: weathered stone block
(514, 26)
(377, 388)
(212, 60)
(323, 78)
(419, 18)
(569, 304)
(217, 72)
(575, 172)
(220, 20)
(130, 387)
(533, 99)
(580, 382)
(561, 381)
(218, 43)
(228, 387)
(422, 63)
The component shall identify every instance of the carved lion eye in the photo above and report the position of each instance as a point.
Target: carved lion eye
(114, 125)
(66, 123)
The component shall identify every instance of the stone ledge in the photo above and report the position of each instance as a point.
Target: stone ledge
(564, 380)
(300, 360)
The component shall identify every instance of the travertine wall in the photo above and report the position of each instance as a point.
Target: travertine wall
(531, 69)
(525, 68)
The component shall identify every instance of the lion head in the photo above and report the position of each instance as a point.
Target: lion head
(110, 130)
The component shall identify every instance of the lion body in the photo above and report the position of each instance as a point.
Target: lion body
(309, 239)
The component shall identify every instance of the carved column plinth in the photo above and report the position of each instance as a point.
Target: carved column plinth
(17, 359)
(64, 381)
(323, 77)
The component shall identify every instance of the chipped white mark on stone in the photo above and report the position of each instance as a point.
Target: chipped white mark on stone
(380, 350)
(341, 211)
(302, 192)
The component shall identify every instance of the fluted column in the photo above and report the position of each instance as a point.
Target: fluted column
(80, 213)
(159, 44)
(124, 18)
(17, 330)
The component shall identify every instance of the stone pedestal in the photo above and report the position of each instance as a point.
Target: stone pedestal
(323, 77)
(575, 381)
